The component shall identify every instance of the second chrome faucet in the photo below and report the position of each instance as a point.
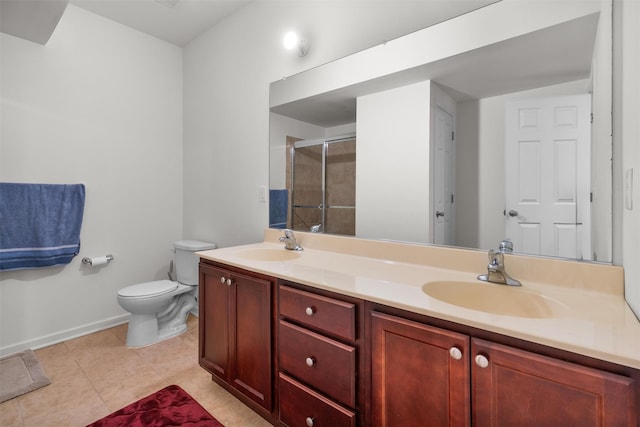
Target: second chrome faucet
(496, 272)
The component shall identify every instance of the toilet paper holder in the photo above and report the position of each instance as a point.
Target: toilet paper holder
(97, 260)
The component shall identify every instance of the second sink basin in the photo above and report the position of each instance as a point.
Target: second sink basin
(495, 298)
(264, 254)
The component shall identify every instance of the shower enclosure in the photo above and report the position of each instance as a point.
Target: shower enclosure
(322, 185)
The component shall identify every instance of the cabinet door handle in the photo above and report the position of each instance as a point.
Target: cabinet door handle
(455, 353)
(222, 279)
(310, 361)
(482, 361)
(309, 421)
(229, 282)
(310, 311)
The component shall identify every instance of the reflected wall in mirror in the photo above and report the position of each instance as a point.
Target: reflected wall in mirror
(464, 138)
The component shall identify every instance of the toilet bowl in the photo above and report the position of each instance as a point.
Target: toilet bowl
(159, 309)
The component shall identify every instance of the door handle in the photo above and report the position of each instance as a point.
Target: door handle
(439, 214)
(513, 213)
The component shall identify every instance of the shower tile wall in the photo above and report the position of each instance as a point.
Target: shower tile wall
(341, 188)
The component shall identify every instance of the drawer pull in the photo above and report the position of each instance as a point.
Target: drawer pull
(310, 311)
(482, 361)
(310, 361)
(455, 353)
(309, 421)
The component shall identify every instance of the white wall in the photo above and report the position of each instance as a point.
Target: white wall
(393, 135)
(627, 139)
(340, 130)
(601, 150)
(468, 190)
(100, 104)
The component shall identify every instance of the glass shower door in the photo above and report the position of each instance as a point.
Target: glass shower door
(307, 198)
(323, 185)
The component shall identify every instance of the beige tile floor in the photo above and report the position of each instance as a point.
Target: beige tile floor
(97, 374)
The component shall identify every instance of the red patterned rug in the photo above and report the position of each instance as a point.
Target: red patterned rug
(171, 406)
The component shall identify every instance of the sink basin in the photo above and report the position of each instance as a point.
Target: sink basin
(496, 299)
(261, 254)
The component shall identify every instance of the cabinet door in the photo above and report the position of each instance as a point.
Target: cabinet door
(213, 321)
(420, 374)
(518, 388)
(250, 339)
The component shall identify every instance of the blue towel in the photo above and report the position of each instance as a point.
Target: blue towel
(278, 203)
(39, 224)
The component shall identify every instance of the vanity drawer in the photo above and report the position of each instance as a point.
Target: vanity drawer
(321, 362)
(323, 313)
(300, 406)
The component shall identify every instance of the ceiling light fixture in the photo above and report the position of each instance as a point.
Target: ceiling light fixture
(293, 41)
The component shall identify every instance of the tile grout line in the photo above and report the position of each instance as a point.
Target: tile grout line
(93, 386)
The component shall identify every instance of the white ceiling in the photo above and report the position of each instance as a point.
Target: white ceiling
(178, 24)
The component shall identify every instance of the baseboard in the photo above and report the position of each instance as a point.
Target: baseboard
(65, 335)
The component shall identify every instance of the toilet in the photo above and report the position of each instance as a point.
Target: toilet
(159, 309)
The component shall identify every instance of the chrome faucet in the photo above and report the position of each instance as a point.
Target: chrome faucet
(506, 246)
(290, 242)
(496, 272)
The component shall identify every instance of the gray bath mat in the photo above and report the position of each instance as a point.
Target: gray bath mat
(20, 373)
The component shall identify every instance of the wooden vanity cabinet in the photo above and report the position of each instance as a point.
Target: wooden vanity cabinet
(235, 343)
(427, 376)
(319, 358)
(301, 356)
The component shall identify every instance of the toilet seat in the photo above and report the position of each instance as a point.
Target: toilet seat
(148, 289)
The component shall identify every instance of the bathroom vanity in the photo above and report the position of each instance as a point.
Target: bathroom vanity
(351, 332)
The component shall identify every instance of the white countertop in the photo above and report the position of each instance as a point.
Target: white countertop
(594, 321)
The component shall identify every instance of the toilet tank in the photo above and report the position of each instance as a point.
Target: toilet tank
(186, 261)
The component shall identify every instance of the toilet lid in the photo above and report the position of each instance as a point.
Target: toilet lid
(159, 287)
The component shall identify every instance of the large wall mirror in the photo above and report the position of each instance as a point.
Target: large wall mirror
(494, 124)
